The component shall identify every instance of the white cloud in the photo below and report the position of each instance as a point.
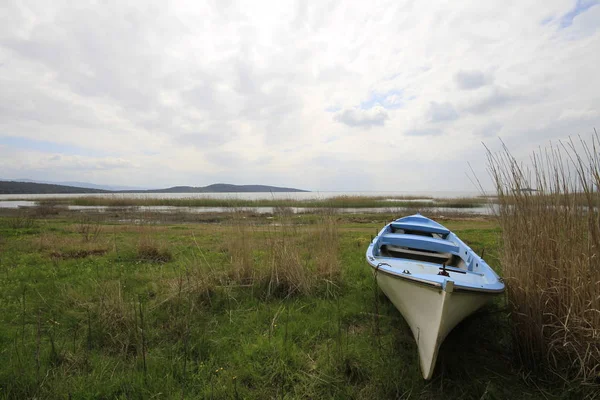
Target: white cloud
(490, 100)
(38, 161)
(469, 80)
(489, 129)
(439, 112)
(358, 118)
(424, 132)
(194, 92)
(568, 114)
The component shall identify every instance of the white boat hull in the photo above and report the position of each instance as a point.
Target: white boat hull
(430, 311)
(432, 277)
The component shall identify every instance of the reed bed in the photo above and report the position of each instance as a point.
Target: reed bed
(550, 219)
(344, 201)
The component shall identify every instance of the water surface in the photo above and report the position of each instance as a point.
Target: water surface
(485, 210)
(248, 196)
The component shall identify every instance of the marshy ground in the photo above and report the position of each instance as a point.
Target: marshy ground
(232, 305)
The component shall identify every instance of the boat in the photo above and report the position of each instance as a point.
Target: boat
(432, 277)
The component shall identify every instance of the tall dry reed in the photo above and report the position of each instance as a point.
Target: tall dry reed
(287, 269)
(325, 246)
(240, 241)
(550, 219)
(151, 249)
(285, 257)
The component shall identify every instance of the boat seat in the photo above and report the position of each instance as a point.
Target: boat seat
(418, 242)
(420, 227)
(401, 252)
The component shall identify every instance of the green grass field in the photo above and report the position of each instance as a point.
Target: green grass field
(96, 309)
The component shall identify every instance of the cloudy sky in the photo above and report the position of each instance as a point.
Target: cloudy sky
(322, 95)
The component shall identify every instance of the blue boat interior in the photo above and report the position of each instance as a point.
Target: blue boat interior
(420, 227)
(417, 248)
(419, 242)
(421, 239)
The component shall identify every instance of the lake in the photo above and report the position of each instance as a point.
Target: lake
(30, 200)
(249, 196)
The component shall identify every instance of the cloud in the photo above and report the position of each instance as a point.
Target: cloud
(489, 130)
(333, 109)
(424, 132)
(469, 80)
(390, 100)
(580, 7)
(23, 143)
(357, 118)
(195, 92)
(494, 99)
(41, 161)
(583, 114)
(85, 163)
(439, 112)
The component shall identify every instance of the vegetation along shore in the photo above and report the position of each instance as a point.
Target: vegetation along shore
(134, 304)
(344, 201)
(238, 306)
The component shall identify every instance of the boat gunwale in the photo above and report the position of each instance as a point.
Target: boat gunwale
(407, 277)
(457, 286)
(496, 287)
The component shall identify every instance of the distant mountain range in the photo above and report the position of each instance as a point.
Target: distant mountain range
(12, 187)
(23, 187)
(85, 185)
(224, 188)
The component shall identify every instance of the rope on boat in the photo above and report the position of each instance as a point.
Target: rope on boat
(377, 268)
(379, 265)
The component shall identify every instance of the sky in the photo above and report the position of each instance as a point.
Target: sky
(319, 95)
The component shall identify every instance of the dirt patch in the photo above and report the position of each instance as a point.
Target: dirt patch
(79, 253)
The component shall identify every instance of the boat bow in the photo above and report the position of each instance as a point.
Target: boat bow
(432, 277)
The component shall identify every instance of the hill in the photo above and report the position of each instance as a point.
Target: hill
(13, 187)
(225, 188)
(85, 185)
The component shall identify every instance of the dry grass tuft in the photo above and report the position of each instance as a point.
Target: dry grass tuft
(45, 208)
(116, 324)
(288, 273)
(77, 253)
(551, 256)
(89, 227)
(284, 258)
(110, 321)
(21, 220)
(241, 245)
(325, 248)
(70, 247)
(150, 249)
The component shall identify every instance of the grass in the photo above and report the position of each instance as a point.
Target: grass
(248, 306)
(344, 201)
(551, 257)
